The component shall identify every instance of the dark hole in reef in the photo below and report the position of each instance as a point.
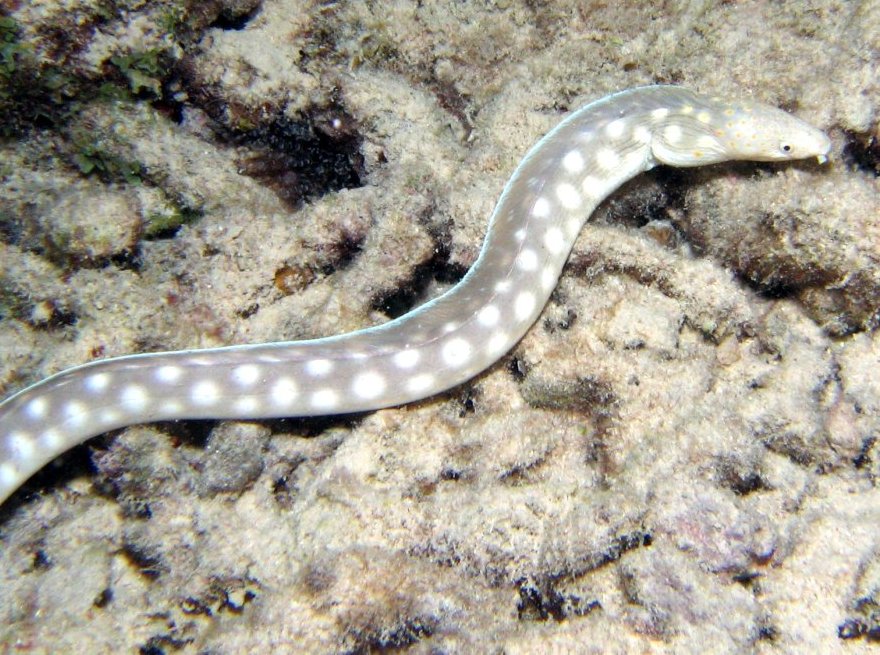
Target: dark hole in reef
(168, 107)
(160, 644)
(863, 459)
(539, 605)
(647, 199)
(863, 152)
(561, 323)
(192, 432)
(104, 598)
(40, 560)
(467, 401)
(772, 288)
(744, 485)
(746, 578)
(195, 607)
(343, 252)
(130, 259)
(313, 426)
(542, 601)
(164, 234)
(518, 368)
(250, 310)
(13, 229)
(234, 606)
(148, 564)
(229, 20)
(767, 633)
(741, 482)
(851, 629)
(401, 300)
(306, 158)
(47, 314)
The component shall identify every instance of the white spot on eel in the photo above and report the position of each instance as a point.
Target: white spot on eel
(134, 398)
(368, 385)
(407, 358)
(444, 342)
(168, 374)
(205, 392)
(488, 316)
(97, 382)
(36, 409)
(573, 162)
(541, 208)
(527, 260)
(246, 374)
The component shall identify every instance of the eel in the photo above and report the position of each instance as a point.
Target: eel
(441, 343)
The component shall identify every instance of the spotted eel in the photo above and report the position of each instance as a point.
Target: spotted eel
(443, 342)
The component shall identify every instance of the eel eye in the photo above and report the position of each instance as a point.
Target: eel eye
(784, 147)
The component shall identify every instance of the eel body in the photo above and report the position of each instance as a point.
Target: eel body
(441, 343)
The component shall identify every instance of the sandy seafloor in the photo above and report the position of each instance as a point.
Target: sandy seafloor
(681, 456)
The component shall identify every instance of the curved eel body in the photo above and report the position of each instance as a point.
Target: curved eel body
(441, 343)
